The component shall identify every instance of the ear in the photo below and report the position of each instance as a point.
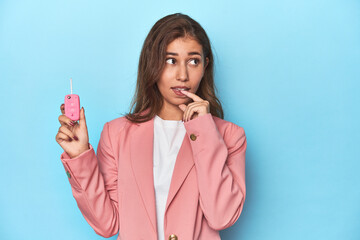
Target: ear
(206, 62)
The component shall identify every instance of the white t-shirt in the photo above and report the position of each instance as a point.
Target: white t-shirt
(168, 137)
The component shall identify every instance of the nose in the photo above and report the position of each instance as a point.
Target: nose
(182, 73)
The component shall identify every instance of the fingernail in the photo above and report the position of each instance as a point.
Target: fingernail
(71, 123)
(76, 138)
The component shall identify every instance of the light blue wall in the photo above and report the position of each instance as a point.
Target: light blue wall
(287, 71)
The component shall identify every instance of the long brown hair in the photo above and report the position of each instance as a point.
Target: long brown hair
(152, 62)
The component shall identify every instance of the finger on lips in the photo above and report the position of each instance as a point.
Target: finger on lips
(192, 95)
(190, 109)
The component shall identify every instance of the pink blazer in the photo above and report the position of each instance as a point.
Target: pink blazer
(114, 188)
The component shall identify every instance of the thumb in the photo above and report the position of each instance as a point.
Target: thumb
(182, 107)
(82, 121)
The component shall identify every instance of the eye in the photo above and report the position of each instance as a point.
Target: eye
(194, 61)
(170, 60)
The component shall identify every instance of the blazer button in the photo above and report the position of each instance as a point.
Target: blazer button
(193, 137)
(173, 237)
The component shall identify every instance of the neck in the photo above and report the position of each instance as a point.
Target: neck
(171, 112)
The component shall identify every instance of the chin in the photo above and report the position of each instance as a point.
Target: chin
(178, 101)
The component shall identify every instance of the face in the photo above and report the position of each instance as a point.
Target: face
(184, 68)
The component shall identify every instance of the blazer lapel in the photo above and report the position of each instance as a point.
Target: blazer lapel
(142, 145)
(141, 154)
(183, 165)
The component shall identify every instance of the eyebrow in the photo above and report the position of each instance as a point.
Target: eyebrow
(190, 53)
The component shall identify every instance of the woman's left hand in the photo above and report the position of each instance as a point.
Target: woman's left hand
(195, 109)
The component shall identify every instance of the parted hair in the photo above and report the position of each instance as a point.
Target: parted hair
(152, 62)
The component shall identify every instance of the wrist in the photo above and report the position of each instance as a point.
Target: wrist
(80, 151)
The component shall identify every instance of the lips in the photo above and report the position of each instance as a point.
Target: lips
(178, 92)
(178, 88)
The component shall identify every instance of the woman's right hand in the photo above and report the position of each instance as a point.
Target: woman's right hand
(73, 136)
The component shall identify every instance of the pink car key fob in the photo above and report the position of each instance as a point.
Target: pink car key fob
(72, 105)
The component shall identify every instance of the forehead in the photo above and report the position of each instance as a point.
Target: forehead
(184, 45)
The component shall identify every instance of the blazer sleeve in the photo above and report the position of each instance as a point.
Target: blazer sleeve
(93, 180)
(220, 167)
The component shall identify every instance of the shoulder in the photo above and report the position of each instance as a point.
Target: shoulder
(233, 135)
(116, 126)
(122, 124)
(227, 127)
(118, 123)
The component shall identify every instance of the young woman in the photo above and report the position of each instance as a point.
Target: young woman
(172, 168)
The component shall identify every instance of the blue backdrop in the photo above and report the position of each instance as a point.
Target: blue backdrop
(287, 71)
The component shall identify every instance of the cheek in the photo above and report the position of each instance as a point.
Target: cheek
(196, 76)
(165, 78)
(162, 82)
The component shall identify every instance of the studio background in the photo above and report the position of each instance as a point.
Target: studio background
(286, 71)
